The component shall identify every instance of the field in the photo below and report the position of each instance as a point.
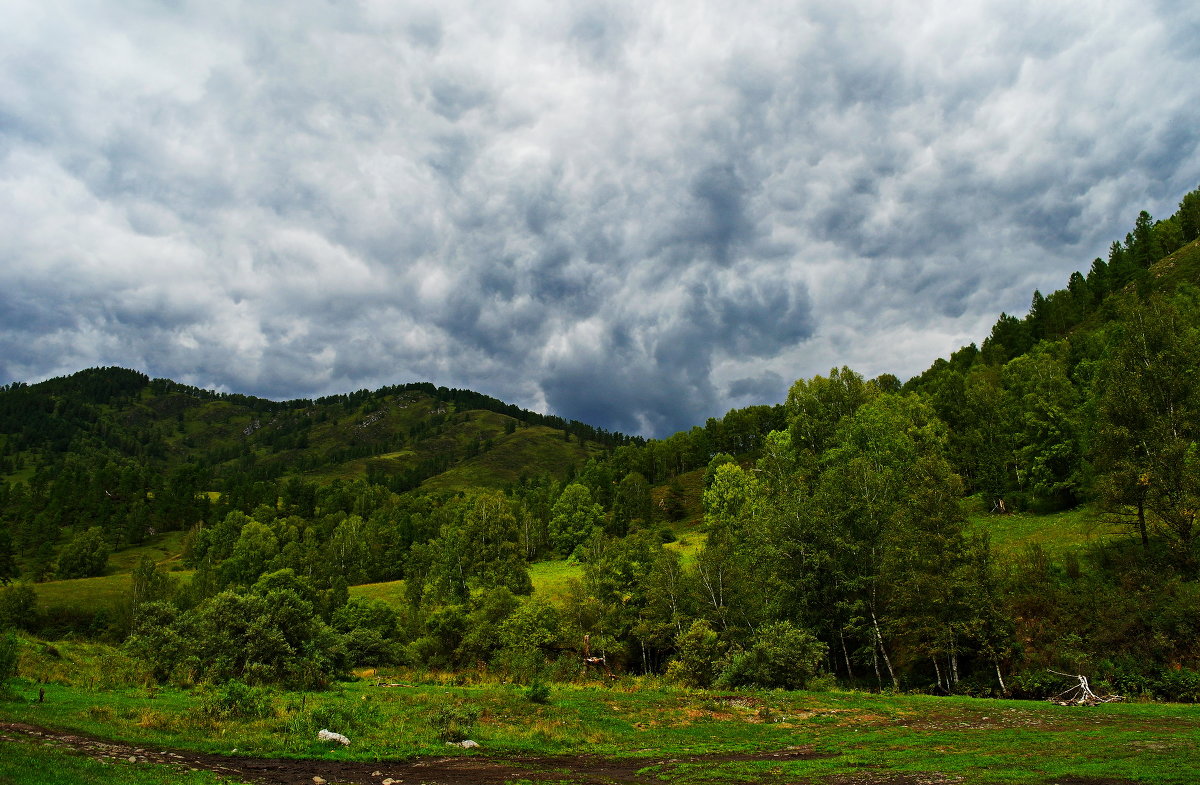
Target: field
(633, 731)
(1055, 532)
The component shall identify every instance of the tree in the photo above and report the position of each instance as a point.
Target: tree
(700, 657)
(1148, 425)
(573, 517)
(631, 504)
(1042, 406)
(1189, 216)
(148, 584)
(85, 555)
(816, 406)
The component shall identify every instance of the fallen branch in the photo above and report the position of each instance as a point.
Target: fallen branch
(1081, 694)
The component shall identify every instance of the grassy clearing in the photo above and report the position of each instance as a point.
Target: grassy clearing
(1056, 532)
(391, 592)
(531, 451)
(550, 578)
(163, 548)
(922, 737)
(688, 546)
(90, 595)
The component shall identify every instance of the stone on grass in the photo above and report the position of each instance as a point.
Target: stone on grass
(328, 735)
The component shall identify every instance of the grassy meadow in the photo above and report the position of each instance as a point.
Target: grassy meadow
(820, 736)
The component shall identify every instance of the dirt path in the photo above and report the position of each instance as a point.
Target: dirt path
(467, 769)
(463, 769)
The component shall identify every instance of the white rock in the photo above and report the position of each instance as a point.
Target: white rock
(328, 735)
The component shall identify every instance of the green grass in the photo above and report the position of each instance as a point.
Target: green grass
(90, 595)
(530, 452)
(84, 594)
(391, 592)
(921, 737)
(550, 578)
(162, 548)
(1055, 532)
(688, 546)
(30, 762)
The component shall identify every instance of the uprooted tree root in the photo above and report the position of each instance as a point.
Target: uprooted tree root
(1081, 694)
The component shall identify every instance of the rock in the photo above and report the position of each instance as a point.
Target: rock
(377, 774)
(328, 735)
(132, 759)
(466, 744)
(390, 781)
(319, 780)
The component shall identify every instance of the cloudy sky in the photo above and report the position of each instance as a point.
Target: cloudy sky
(634, 214)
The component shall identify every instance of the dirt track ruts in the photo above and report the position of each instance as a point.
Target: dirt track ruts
(463, 769)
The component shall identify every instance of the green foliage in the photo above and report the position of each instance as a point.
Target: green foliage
(85, 555)
(234, 699)
(538, 692)
(574, 517)
(781, 655)
(156, 641)
(453, 720)
(700, 656)
(9, 656)
(18, 606)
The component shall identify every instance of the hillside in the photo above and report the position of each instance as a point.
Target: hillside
(399, 436)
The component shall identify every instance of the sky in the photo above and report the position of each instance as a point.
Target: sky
(638, 215)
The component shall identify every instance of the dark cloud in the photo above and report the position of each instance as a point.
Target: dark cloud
(634, 218)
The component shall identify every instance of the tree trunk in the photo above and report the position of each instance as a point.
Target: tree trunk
(846, 655)
(886, 659)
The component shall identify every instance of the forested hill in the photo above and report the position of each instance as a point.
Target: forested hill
(111, 446)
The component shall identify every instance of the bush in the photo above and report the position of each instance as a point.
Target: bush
(538, 692)
(85, 555)
(343, 717)
(8, 656)
(700, 658)
(454, 721)
(235, 700)
(18, 606)
(782, 655)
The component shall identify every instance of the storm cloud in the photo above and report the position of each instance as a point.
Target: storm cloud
(637, 215)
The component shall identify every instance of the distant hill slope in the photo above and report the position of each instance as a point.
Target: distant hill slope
(399, 437)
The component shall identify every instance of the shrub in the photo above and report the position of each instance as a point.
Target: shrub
(700, 658)
(235, 700)
(8, 656)
(85, 555)
(782, 655)
(343, 717)
(453, 721)
(538, 692)
(18, 606)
